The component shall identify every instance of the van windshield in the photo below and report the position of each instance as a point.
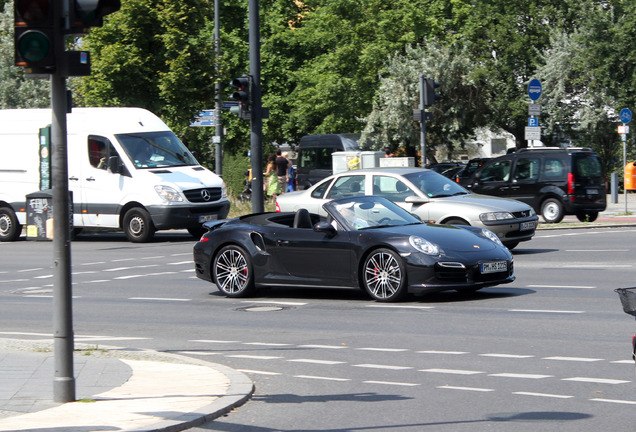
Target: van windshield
(155, 149)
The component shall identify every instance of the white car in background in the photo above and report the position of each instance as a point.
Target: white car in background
(425, 193)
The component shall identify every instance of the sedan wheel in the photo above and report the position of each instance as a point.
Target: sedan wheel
(384, 276)
(233, 272)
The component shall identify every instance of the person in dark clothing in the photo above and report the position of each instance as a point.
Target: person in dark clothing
(282, 167)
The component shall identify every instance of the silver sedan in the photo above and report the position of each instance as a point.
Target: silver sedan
(429, 195)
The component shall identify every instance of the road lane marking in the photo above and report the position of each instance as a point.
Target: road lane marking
(258, 372)
(314, 361)
(266, 344)
(548, 395)
(452, 371)
(383, 349)
(561, 286)
(322, 378)
(514, 356)
(631, 362)
(443, 352)
(399, 306)
(160, 299)
(596, 380)
(214, 341)
(545, 311)
(576, 359)
(199, 353)
(274, 302)
(616, 401)
(477, 389)
(518, 375)
(392, 383)
(379, 366)
(322, 346)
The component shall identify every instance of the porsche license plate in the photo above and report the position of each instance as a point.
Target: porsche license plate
(207, 218)
(494, 267)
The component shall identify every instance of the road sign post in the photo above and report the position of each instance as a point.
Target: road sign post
(626, 117)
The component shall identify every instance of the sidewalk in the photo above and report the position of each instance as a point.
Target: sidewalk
(614, 215)
(116, 389)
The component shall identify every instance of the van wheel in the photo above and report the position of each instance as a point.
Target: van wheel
(10, 229)
(587, 216)
(138, 225)
(552, 210)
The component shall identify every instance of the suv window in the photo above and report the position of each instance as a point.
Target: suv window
(527, 169)
(316, 158)
(553, 169)
(498, 171)
(587, 166)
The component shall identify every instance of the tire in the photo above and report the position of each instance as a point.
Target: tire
(456, 221)
(552, 210)
(10, 229)
(384, 276)
(138, 225)
(511, 245)
(232, 272)
(589, 216)
(197, 232)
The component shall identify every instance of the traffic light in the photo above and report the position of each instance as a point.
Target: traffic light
(84, 14)
(34, 25)
(243, 95)
(429, 92)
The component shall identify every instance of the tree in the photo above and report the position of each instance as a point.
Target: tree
(16, 90)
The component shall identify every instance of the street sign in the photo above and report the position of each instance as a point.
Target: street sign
(626, 115)
(229, 104)
(533, 122)
(206, 114)
(622, 129)
(534, 109)
(532, 133)
(203, 122)
(534, 89)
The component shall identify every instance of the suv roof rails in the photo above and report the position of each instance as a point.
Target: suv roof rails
(554, 149)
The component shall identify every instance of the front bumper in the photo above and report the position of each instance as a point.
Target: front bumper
(173, 217)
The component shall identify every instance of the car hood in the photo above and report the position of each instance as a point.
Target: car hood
(448, 237)
(487, 202)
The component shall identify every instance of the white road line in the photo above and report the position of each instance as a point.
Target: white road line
(616, 401)
(465, 388)
(84, 272)
(198, 353)
(29, 270)
(181, 263)
(443, 352)
(314, 361)
(254, 357)
(97, 281)
(561, 286)
(258, 372)
(266, 344)
(322, 346)
(129, 277)
(182, 254)
(275, 302)
(379, 366)
(597, 250)
(392, 383)
(214, 341)
(13, 280)
(153, 257)
(383, 349)
(596, 380)
(576, 359)
(322, 378)
(93, 263)
(545, 311)
(160, 299)
(548, 395)
(515, 356)
(26, 334)
(399, 306)
(631, 362)
(43, 277)
(452, 371)
(517, 375)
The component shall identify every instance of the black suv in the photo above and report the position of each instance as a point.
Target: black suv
(554, 181)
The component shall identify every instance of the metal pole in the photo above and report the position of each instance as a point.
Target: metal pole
(256, 136)
(625, 173)
(423, 124)
(217, 112)
(64, 381)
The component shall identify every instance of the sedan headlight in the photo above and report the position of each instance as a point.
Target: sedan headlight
(168, 194)
(495, 216)
(423, 245)
(491, 236)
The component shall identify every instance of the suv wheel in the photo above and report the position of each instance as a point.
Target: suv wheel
(552, 210)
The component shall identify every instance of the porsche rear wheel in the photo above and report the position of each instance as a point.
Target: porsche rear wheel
(233, 272)
(384, 276)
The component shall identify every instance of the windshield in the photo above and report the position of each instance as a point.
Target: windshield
(155, 149)
(435, 185)
(363, 212)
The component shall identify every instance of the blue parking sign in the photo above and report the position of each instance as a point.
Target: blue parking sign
(533, 121)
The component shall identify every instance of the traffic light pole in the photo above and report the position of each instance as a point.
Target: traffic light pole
(218, 155)
(64, 380)
(256, 136)
(423, 121)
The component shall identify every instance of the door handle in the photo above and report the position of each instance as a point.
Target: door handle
(73, 178)
(90, 178)
(282, 242)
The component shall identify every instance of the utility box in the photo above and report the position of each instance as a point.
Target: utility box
(630, 176)
(345, 161)
(39, 209)
(371, 159)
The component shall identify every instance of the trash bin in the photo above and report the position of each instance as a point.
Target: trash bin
(39, 207)
(628, 299)
(630, 176)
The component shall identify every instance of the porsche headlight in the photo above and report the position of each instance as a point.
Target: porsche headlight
(495, 216)
(491, 236)
(423, 245)
(168, 194)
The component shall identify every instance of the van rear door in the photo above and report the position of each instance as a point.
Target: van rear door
(588, 182)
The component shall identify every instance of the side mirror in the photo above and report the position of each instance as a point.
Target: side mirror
(414, 199)
(325, 227)
(114, 165)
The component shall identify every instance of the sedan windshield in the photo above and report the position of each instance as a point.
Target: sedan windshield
(362, 212)
(155, 149)
(435, 185)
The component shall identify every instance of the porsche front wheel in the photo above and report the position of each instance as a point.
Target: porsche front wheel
(384, 276)
(233, 272)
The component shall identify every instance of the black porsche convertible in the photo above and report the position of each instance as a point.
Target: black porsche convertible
(365, 242)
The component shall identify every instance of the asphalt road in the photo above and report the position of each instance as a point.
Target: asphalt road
(549, 352)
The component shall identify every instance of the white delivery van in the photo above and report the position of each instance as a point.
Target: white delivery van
(126, 170)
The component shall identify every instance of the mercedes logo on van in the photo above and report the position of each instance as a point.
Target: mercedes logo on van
(205, 194)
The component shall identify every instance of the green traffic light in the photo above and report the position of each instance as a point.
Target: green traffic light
(34, 46)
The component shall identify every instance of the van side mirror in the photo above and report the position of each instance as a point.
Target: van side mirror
(114, 165)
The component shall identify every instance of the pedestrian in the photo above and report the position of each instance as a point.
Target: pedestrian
(282, 170)
(271, 184)
(387, 152)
